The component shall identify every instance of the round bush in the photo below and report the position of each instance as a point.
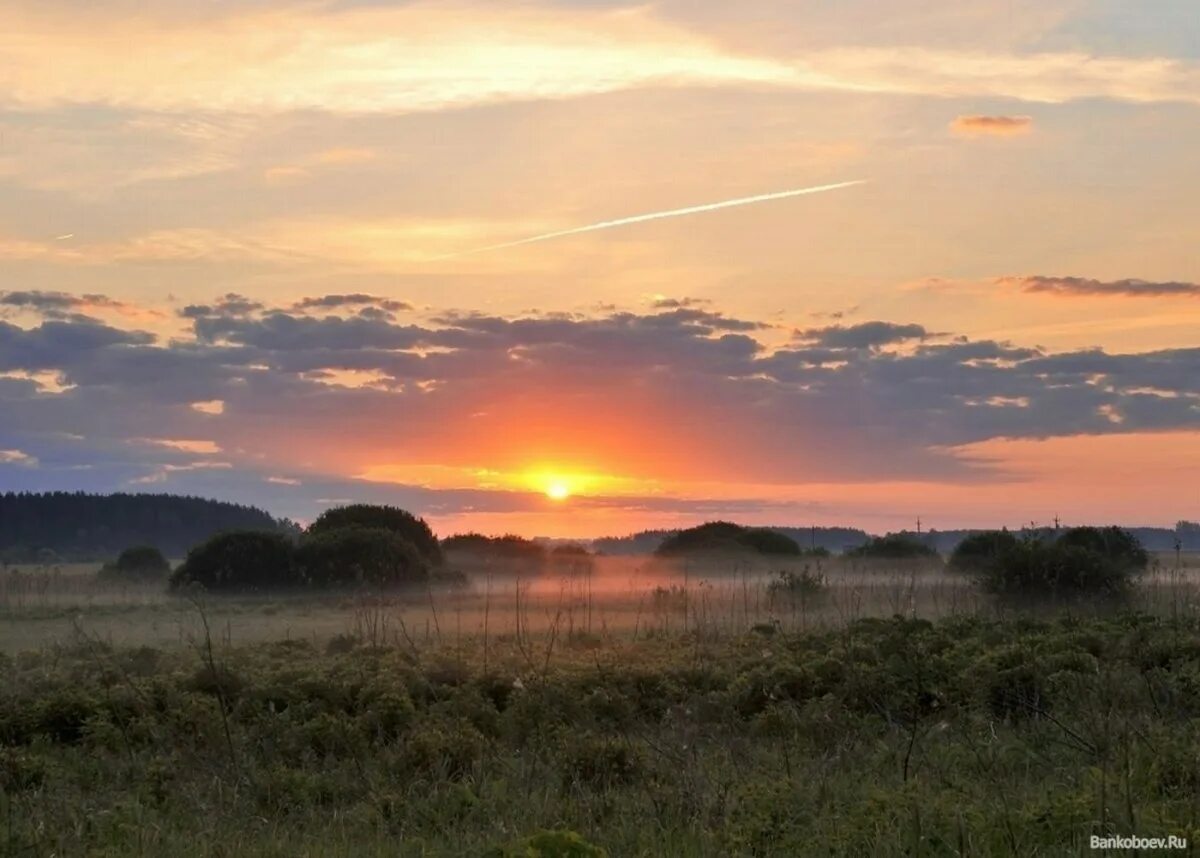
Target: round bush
(359, 555)
(980, 550)
(240, 560)
(1119, 546)
(766, 541)
(725, 536)
(508, 547)
(1063, 568)
(376, 517)
(894, 546)
(140, 563)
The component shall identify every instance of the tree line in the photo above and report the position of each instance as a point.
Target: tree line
(77, 526)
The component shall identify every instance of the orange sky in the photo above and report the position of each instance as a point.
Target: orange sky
(240, 265)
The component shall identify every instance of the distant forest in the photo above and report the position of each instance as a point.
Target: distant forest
(75, 526)
(839, 539)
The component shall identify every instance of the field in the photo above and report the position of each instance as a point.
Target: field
(650, 709)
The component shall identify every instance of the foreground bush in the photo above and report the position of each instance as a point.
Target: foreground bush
(888, 738)
(140, 563)
(377, 517)
(240, 560)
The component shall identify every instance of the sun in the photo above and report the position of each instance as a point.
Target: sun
(558, 490)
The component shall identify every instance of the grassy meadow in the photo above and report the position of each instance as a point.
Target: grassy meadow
(624, 706)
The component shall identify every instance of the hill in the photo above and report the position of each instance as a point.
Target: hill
(75, 526)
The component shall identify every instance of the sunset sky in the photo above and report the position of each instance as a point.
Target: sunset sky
(238, 242)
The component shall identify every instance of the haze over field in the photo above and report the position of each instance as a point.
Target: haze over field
(242, 266)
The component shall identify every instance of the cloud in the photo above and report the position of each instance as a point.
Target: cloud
(230, 304)
(184, 445)
(997, 126)
(17, 457)
(864, 336)
(678, 394)
(1085, 287)
(63, 305)
(430, 56)
(357, 299)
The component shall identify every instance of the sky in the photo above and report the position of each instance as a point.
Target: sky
(276, 252)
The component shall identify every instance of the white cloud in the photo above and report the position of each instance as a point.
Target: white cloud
(19, 458)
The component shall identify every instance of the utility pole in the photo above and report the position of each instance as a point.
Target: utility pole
(1056, 524)
(918, 525)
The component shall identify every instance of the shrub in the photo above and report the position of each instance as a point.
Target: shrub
(1062, 568)
(766, 541)
(376, 517)
(140, 563)
(508, 547)
(359, 555)
(725, 536)
(1119, 546)
(445, 750)
(600, 761)
(894, 546)
(980, 550)
(239, 560)
(800, 585)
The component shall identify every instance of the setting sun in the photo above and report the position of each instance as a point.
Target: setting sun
(558, 490)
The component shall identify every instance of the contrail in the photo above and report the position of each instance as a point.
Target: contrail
(626, 221)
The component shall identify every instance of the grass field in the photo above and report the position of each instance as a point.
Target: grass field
(651, 710)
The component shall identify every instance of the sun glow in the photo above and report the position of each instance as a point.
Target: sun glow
(558, 490)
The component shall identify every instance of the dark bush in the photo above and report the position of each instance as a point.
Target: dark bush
(359, 555)
(240, 560)
(570, 550)
(981, 550)
(601, 761)
(1062, 568)
(1119, 546)
(894, 546)
(376, 517)
(766, 541)
(727, 537)
(140, 563)
(508, 547)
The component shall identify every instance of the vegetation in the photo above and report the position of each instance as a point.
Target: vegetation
(374, 517)
(508, 548)
(75, 526)
(1082, 561)
(240, 560)
(140, 563)
(816, 540)
(345, 547)
(894, 546)
(803, 584)
(981, 550)
(359, 555)
(886, 737)
(726, 537)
